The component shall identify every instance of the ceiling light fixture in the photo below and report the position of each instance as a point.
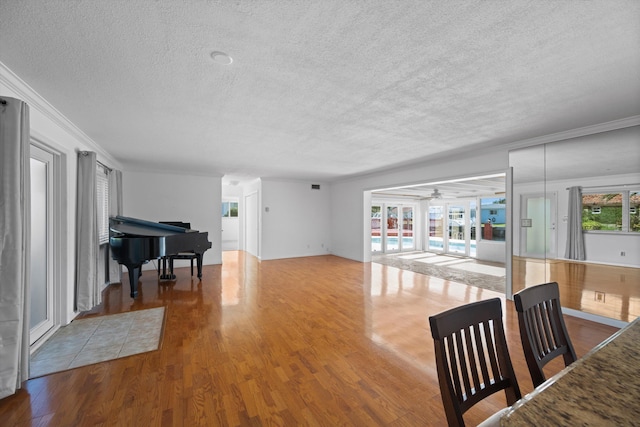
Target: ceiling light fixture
(221, 57)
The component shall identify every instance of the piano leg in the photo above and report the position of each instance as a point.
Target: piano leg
(134, 276)
(164, 275)
(199, 262)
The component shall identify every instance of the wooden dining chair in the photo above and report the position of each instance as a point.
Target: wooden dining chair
(542, 330)
(472, 357)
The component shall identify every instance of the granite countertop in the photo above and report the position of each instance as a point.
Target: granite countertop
(600, 389)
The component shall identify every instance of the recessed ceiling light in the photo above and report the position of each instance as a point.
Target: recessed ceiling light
(221, 57)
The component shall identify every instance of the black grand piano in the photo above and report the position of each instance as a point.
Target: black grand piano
(136, 241)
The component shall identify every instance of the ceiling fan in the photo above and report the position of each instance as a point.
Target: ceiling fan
(436, 194)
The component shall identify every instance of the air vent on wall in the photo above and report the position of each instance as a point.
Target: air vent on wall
(315, 186)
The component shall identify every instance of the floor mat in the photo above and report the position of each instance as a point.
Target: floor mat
(98, 339)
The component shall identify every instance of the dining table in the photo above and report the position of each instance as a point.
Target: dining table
(602, 388)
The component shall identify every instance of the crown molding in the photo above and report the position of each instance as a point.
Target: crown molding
(37, 102)
(576, 133)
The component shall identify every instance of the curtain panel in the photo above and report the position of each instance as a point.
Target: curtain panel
(115, 208)
(575, 238)
(88, 289)
(15, 239)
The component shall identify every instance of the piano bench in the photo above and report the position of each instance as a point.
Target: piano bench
(183, 255)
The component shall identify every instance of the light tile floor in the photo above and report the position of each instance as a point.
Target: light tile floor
(98, 339)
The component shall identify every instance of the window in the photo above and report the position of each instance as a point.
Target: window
(229, 209)
(611, 211)
(493, 218)
(102, 194)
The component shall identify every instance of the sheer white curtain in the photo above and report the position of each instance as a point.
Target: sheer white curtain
(115, 208)
(88, 288)
(575, 238)
(15, 228)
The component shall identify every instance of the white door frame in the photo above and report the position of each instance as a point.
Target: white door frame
(252, 224)
(55, 243)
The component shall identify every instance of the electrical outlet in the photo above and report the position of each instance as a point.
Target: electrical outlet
(623, 253)
(599, 296)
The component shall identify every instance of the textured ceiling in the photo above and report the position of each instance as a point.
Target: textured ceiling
(322, 89)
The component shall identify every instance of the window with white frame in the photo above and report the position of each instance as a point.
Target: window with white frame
(229, 209)
(102, 195)
(611, 211)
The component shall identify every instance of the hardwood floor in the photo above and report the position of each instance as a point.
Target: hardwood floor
(319, 341)
(605, 290)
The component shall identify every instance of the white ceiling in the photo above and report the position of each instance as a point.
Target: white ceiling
(322, 89)
(471, 187)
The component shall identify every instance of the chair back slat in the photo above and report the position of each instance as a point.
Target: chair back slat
(463, 365)
(483, 351)
(454, 366)
(472, 357)
(542, 329)
(475, 355)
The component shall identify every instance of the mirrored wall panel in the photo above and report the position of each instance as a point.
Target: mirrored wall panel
(576, 221)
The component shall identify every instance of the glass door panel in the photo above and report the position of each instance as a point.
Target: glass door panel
(538, 227)
(436, 228)
(473, 212)
(376, 228)
(457, 229)
(392, 232)
(41, 272)
(408, 241)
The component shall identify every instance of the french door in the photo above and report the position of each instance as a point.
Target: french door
(42, 283)
(451, 227)
(392, 228)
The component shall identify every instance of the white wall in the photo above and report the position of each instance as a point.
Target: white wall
(295, 219)
(494, 251)
(160, 196)
(351, 199)
(54, 132)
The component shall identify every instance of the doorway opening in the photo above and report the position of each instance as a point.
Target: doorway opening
(463, 217)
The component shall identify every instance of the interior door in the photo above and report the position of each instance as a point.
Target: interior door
(252, 228)
(41, 285)
(538, 225)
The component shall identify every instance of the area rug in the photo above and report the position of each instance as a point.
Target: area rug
(98, 339)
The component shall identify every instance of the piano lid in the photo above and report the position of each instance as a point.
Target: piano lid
(141, 227)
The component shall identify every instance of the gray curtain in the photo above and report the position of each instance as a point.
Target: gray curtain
(88, 288)
(115, 208)
(15, 238)
(575, 238)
